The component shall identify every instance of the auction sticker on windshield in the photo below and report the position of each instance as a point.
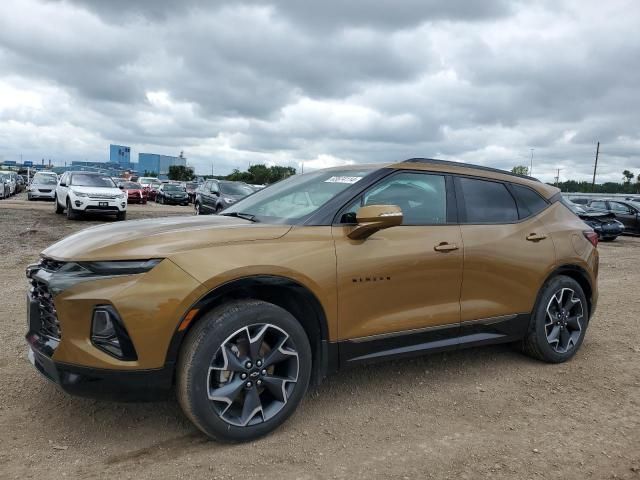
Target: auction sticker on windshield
(342, 179)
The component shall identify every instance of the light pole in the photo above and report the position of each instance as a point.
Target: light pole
(531, 164)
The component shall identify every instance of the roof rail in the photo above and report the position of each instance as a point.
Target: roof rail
(470, 165)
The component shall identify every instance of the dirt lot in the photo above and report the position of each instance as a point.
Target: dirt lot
(478, 413)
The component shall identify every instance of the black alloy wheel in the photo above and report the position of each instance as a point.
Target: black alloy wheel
(244, 369)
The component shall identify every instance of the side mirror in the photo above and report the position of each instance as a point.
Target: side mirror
(63, 184)
(372, 218)
(121, 187)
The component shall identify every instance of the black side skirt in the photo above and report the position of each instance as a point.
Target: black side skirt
(504, 329)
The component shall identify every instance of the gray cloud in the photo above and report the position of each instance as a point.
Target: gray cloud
(324, 82)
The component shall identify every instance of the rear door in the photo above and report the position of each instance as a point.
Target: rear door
(507, 254)
(625, 214)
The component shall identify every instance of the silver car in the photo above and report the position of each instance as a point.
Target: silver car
(5, 189)
(43, 186)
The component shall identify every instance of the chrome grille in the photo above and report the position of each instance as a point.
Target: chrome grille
(49, 324)
(102, 196)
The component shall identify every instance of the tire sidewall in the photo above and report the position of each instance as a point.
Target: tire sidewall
(550, 289)
(219, 325)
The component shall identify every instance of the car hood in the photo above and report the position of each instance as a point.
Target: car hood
(158, 237)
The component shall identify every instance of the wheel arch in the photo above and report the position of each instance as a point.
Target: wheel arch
(580, 275)
(284, 292)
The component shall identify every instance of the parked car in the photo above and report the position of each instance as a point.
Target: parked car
(581, 200)
(172, 194)
(5, 189)
(603, 223)
(331, 268)
(84, 192)
(216, 195)
(625, 211)
(20, 183)
(191, 188)
(11, 181)
(43, 186)
(135, 192)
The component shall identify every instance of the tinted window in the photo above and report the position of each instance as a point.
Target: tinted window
(487, 202)
(529, 202)
(235, 189)
(599, 205)
(422, 198)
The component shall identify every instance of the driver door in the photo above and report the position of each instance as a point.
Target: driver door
(399, 289)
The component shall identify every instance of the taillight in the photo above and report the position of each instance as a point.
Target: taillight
(591, 236)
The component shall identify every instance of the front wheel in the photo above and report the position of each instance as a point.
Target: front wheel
(121, 216)
(56, 206)
(243, 370)
(196, 209)
(559, 321)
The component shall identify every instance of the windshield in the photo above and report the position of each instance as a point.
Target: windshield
(131, 186)
(171, 187)
(297, 196)
(85, 180)
(235, 189)
(45, 180)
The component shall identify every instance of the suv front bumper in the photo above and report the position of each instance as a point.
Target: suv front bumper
(96, 383)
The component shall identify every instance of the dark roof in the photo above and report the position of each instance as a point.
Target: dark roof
(468, 165)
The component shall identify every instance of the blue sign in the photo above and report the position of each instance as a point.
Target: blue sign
(10, 163)
(28, 163)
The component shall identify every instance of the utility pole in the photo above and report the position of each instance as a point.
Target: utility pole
(558, 176)
(595, 167)
(531, 166)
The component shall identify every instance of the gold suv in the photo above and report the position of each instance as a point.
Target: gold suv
(240, 312)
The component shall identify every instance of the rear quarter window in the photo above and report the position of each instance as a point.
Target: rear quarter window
(529, 202)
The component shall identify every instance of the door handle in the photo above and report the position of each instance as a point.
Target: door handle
(534, 237)
(445, 247)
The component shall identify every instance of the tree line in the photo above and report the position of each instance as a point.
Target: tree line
(628, 185)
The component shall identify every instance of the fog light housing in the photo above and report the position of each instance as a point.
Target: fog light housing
(109, 334)
(78, 203)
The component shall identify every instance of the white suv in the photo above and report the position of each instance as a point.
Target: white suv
(80, 192)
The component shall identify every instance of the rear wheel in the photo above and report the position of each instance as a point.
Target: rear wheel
(243, 370)
(559, 321)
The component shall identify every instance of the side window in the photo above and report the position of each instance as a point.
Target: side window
(421, 196)
(487, 202)
(64, 178)
(529, 202)
(599, 205)
(619, 207)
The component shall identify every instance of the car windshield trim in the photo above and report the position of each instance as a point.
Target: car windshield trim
(295, 199)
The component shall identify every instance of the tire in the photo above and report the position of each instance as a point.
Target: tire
(56, 206)
(160, 200)
(120, 216)
(218, 209)
(71, 213)
(608, 239)
(196, 208)
(570, 329)
(233, 419)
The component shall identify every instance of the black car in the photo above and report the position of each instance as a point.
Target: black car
(603, 223)
(172, 193)
(215, 195)
(625, 211)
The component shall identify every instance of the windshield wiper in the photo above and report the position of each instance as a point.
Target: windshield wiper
(245, 216)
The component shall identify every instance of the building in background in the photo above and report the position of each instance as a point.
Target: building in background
(149, 163)
(121, 155)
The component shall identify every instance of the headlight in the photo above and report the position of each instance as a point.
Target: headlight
(124, 267)
(78, 194)
(228, 200)
(122, 195)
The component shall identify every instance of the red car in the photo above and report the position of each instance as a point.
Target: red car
(135, 192)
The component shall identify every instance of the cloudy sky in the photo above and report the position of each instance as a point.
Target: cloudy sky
(324, 82)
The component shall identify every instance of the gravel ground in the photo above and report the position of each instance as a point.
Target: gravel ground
(478, 413)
